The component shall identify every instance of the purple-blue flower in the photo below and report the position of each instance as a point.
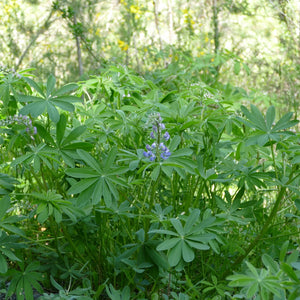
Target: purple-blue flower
(166, 136)
(162, 147)
(152, 158)
(158, 148)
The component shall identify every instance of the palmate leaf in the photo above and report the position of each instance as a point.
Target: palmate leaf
(185, 239)
(65, 145)
(49, 101)
(7, 246)
(97, 181)
(255, 117)
(24, 281)
(7, 184)
(257, 281)
(266, 130)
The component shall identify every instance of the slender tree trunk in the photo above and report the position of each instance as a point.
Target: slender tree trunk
(79, 56)
(216, 32)
(216, 26)
(42, 29)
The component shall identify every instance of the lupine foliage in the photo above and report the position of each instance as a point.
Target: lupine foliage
(155, 187)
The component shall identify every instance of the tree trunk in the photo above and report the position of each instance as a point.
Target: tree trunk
(42, 29)
(79, 56)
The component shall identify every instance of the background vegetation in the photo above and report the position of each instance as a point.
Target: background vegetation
(149, 149)
(74, 39)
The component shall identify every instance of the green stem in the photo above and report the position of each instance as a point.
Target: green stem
(69, 239)
(274, 162)
(40, 184)
(263, 230)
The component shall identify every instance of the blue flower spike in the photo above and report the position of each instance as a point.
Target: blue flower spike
(157, 149)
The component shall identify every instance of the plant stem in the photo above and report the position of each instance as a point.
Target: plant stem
(263, 230)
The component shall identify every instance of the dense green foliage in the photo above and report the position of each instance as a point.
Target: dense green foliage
(149, 150)
(154, 187)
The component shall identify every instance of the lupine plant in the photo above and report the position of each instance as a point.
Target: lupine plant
(155, 187)
(157, 150)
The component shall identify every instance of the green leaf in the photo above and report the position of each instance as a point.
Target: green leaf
(285, 122)
(187, 252)
(44, 134)
(252, 269)
(289, 271)
(293, 257)
(168, 244)
(89, 160)
(55, 284)
(57, 216)
(34, 85)
(270, 116)
(22, 159)
(35, 109)
(106, 195)
(163, 231)
(27, 289)
(53, 112)
(81, 185)
(64, 105)
(156, 258)
(182, 152)
(74, 134)
(178, 226)
(110, 158)
(197, 245)
(270, 263)
(3, 264)
(297, 203)
(4, 206)
(174, 255)
(43, 216)
(50, 85)
(66, 99)
(9, 254)
(82, 172)
(29, 98)
(256, 117)
(155, 173)
(252, 290)
(60, 128)
(283, 250)
(240, 280)
(192, 219)
(65, 89)
(174, 143)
